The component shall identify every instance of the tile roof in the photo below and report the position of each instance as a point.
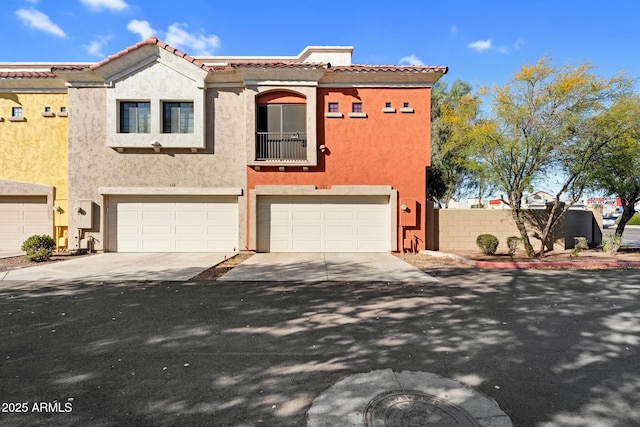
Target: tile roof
(150, 42)
(26, 75)
(69, 67)
(279, 64)
(358, 68)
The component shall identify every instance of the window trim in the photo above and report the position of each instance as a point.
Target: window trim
(47, 112)
(406, 108)
(190, 121)
(17, 118)
(120, 123)
(357, 114)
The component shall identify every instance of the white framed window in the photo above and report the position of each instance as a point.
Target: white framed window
(16, 112)
(177, 117)
(135, 117)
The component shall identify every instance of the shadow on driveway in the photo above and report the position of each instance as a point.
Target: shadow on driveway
(553, 348)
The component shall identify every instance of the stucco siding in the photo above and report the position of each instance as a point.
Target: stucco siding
(379, 149)
(34, 151)
(93, 164)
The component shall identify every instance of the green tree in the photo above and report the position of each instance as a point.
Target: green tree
(449, 170)
(616, 169)
(541, 122)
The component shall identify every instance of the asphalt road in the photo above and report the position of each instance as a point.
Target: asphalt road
(631, 235)
(553, 348)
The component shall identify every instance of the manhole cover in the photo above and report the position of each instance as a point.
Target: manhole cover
(414, 409)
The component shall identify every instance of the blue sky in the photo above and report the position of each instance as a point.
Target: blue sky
(483, 43)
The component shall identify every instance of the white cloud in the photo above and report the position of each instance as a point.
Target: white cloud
(143, 28)
(98, 5)
(196, 44)
(453, 29)
(411, 60)
(95, 47)
(39, 21)
(480, 45)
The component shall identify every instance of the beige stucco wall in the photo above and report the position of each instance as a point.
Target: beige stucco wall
(34, 151)
(156, 82)
(92, 164)
(459, 228)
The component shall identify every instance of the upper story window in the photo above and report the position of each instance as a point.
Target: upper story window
(334, 107)
(135, 117)
(356, 107)
(16, 112)
(177, 117)
(280, 118)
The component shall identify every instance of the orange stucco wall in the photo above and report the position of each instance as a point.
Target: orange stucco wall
(381, 149)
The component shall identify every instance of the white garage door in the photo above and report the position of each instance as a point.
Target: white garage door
(323, 224)
(173, 224)
(22, 217)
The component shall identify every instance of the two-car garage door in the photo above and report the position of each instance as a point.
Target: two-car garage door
(22, 217)
(323, 223)
(173, 223)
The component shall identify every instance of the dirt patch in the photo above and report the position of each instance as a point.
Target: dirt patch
(427, 262)
(18, 262)
(224, 267)
(595, 257)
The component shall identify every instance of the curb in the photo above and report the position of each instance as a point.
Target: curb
(534, 264)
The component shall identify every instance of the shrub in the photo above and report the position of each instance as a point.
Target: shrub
(580, 244)
(38, 248)
(512, 244)
(612, 243)
(488, 243)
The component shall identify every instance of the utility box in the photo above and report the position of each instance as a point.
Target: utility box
(82, 212)
(408, 213)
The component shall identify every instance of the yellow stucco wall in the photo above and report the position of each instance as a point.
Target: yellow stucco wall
(35, 150)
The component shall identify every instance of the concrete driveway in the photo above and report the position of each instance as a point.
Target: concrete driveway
(10, 254)
(120, 267)
(320, 267)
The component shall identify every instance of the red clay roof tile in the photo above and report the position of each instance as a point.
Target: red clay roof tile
(152, 41)
(26, 75)
(279, 65)
(359, 68)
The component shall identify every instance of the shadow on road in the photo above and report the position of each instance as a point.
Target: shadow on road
(553, 348)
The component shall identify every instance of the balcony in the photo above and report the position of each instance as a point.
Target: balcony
(281, 146)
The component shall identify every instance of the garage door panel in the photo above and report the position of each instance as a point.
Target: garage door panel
(332, 215)
(173, 224)
(22, 217)
(156, 216)
(190, 216)
(305, 216)
(323, 223)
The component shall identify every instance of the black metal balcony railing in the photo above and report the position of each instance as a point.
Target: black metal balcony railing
(281, 146)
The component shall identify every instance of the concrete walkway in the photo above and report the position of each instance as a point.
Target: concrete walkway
(113, 267)
(320, 267)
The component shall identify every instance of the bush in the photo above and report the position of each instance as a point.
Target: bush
(512, 244)
(612, 243)
(38, 248)
(488, 243)
(579, 245)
